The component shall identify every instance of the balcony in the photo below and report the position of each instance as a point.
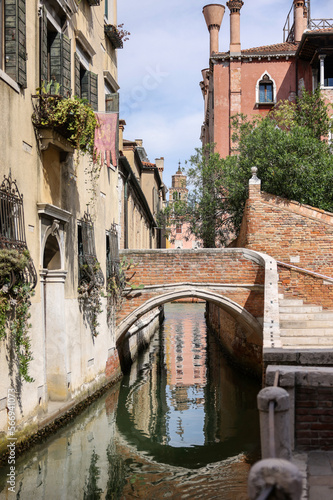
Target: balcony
(112, 33)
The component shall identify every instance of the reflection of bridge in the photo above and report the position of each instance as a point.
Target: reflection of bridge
(242, 282)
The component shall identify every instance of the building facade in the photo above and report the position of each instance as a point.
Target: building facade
(66, 208)
(252, 81)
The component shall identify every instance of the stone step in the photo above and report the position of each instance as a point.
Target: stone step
(307, 343)
(309, 332)
(300, 309)
(290, 302)
(321, 316)
(306, 324)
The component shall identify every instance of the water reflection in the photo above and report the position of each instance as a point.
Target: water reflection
(183, 424)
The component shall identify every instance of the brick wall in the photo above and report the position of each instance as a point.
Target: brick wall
(314, 418)
(166, 267)
(294, 234)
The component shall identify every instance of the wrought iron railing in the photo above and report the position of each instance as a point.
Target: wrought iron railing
(12, 231)
(90, 272)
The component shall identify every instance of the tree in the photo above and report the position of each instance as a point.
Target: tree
(293, 158)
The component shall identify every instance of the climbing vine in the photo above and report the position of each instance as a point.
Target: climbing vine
(117, 282)
(90, 292)
(15, 295)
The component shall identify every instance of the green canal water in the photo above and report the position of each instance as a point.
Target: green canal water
(182, 424)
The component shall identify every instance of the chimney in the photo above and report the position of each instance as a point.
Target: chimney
(159, 162)
(139, 142)
(213, 14)
(299, 19)
(235, 45)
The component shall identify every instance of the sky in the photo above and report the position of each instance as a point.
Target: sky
(159, 67)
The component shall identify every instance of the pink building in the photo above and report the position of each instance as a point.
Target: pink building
(251, 81)
(180, 236)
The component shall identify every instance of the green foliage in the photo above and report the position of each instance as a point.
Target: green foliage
(73, 117)
(15, 303)
(292, 160)
(117, 282)
(90, 293)
(91, 489)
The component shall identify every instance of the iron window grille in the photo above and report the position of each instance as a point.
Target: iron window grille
(90, 272)
(12, 231)
(112, 252)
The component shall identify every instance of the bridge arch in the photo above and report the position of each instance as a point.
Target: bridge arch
(251, 324)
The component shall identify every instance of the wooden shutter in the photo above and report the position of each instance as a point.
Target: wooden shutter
(60, 57)
(77, 85)
(15, 41)
(66, 66)
(43, 46)
(112, 106)
(112, 103)
(89, 89)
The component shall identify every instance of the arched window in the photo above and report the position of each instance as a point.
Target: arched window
(265, 90)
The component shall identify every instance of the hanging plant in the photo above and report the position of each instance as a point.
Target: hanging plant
(73, 118)
(15, 295)
(117, 282)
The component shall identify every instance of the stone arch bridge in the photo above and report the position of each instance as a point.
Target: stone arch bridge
(242, 282)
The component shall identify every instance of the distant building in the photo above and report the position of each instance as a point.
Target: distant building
(252, 81)
(179, 230)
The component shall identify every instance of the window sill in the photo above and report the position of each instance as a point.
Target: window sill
(265, 104)
(9, 81)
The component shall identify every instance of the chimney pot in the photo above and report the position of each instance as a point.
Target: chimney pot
(213, 14)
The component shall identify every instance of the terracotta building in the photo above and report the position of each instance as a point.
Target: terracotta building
(251, 81)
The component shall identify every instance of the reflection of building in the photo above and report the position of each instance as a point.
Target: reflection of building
(180, 236)
(251, 81)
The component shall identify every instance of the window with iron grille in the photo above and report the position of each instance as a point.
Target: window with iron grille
(12, 231)
(90, 272)
(112, 252)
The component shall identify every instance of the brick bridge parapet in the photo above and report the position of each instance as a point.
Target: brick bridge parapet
(241, 281)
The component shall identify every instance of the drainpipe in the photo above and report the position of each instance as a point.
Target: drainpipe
(126, 211)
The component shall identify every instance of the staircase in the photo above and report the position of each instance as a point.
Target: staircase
(305, 326)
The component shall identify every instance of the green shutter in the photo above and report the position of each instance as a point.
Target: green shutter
(15, 41)
(94, 91)
(43, 46)
(60, 62)
(77, 86)
(66, 66)
(112, 106)
(89, 89)
(112, 103)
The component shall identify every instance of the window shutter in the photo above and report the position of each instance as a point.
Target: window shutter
(269, 90)
(94, 91)
(43, 45)
(261, 92)
(89, 89)
(77, 86)
(66, 66)
(15, 41)
(60, 56)
(112, 103)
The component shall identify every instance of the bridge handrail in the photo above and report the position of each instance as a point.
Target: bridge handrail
(305, 271)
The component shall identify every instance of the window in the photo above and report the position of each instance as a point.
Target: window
(12, 231)
(179, 228)
(265, 90)
(112, 252)
(89, 268)
(13, 40)
(55, 52)
(86, 82)
(328, 73)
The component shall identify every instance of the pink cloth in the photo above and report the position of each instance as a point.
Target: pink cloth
(105, 138)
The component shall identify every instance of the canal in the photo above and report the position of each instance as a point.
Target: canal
(182, 424)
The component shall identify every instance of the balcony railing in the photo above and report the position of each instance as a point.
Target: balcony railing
(113, 35)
